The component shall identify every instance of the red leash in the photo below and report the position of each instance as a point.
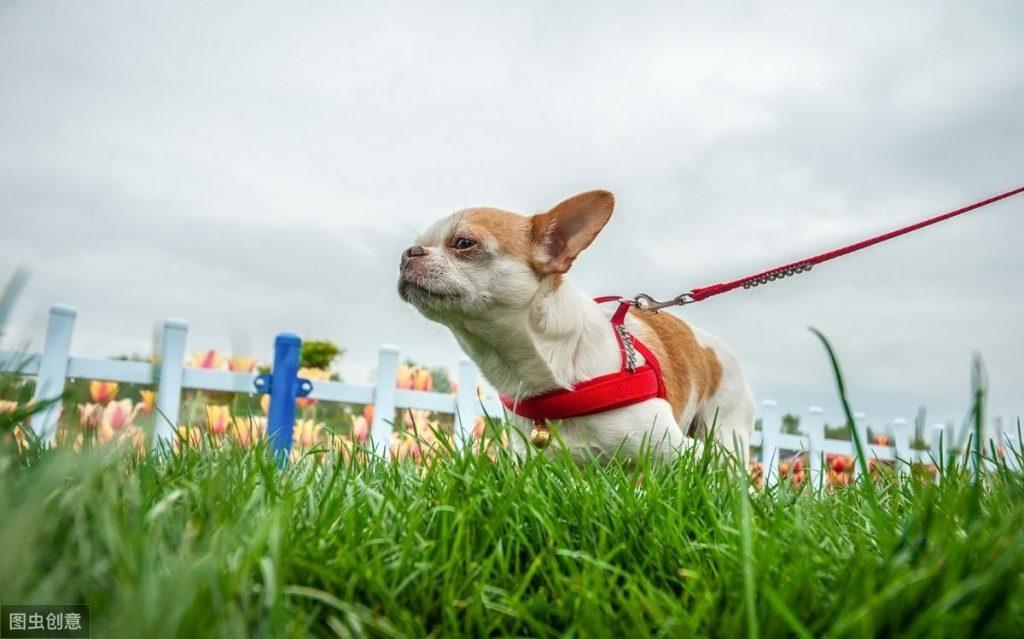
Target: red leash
(645, 302)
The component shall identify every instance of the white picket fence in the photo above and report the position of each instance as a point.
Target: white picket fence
(775, 445)
(54, 364)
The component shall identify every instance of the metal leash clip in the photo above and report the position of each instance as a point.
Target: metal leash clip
(645, 302)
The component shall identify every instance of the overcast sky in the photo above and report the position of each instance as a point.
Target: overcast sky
(261, 171)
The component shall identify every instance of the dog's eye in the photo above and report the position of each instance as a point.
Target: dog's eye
(463, 243)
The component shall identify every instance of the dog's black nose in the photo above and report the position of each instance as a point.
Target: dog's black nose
(413, 251)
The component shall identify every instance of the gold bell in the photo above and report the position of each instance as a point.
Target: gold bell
(540, 436)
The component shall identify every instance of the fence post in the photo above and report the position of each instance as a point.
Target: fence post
(816, 448)
(169, 373)
(467, 404)
(384, 399)
(53, 369)
(285, 386)
(861, 422)
(771, 426)
(940, 450)
(903, 455)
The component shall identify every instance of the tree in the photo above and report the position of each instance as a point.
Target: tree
(320, 354)
(790, 424)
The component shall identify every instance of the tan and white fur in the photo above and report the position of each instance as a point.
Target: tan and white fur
(497, 280)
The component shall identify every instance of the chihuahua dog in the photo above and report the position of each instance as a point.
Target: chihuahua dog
(498, 281)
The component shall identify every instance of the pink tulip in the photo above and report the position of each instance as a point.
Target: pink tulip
(210, 359)
(360, 429)
(118, 415)
(218, 418)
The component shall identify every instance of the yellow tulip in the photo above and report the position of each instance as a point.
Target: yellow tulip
(422, 380)
(249, 430)
(265, 403)
(102, 392)
(404, 378)
(306, 433)
(192, 436)
(8, 406)
(242, 364)
(217, 419)
(148, 401)
(20, 438)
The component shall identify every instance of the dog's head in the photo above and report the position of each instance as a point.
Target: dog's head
(479, 259)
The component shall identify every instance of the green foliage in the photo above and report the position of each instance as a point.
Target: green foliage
(320, 354)
(441, 381)
(790, 424)
(224, 544)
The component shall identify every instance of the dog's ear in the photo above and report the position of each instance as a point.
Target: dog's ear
(563, 232)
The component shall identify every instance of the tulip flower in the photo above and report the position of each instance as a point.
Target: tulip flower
(89, 415)
(882, 440)
(249, 430)
(757, 474)
(118, 416)
(479, 425)
(102, 392)
(838, 466)
(842, 479)
(242, 364)
(218, 418)
(265, 403)
(368, 413)
(131, 436)
(422, 380)
(210, 359)
(306, 433)
(148, 401)
(191, 436)
(20, 438)
(416, 420)
(360, 429)
(403, 380)
(783, 469)
(8, 406)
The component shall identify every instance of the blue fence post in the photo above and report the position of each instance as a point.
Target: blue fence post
(284, 386)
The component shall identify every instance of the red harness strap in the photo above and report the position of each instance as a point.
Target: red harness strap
(631, 384)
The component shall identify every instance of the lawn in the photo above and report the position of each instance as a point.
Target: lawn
(222, 543)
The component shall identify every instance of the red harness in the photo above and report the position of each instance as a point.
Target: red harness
(631, 384)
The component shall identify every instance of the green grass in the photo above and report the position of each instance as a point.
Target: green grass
(223, 544)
